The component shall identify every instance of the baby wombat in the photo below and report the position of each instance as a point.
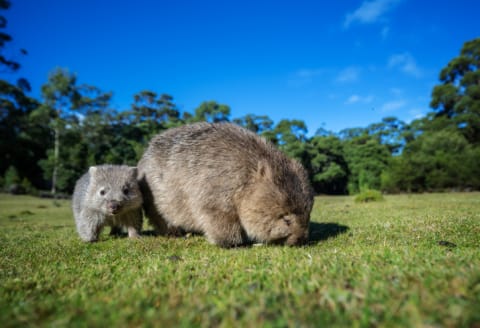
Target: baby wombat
(227, 183)
(107, 195)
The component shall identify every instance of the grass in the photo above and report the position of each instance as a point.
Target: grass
(407, 261)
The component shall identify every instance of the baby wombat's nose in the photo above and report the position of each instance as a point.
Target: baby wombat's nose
(113, 206)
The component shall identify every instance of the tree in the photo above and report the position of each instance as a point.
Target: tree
(149, 107)
(65, 106)
(458, 97)
(390, 132)
(6, 64)
(367, 159)
(255, 123)
(20, 144)
(211, 111)
(436, 160)
(60, 99)
(290, 137)
(328, 167)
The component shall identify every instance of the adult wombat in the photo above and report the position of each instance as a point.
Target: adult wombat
(227, 183)
(107, 195)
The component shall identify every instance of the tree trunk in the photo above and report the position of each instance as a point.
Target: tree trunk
(55, 159)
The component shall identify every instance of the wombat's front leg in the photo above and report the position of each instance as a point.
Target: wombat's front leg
(89, 226)
(156, 220)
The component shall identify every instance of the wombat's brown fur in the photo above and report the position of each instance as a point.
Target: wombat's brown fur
(107, 195)
(227, 183)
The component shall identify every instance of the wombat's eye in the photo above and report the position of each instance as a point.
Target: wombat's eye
(102, 192)
(125, 191)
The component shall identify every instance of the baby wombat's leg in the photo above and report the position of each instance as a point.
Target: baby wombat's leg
(89, 225)
(223, 230)
(116, 231)
(135, 223)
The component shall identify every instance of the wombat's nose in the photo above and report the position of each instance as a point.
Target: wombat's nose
(296, 241)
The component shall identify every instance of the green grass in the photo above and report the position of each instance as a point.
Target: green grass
(407, 261)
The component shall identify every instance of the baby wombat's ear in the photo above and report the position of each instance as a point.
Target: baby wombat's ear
(92, 170)
(264, 170)
(133, 171)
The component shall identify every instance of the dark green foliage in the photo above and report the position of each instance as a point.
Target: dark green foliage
(367, 158)
(328, 168)
(11, 176)
(458, 97)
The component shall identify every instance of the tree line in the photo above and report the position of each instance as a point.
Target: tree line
(48, 143)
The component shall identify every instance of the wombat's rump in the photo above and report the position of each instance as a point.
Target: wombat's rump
(227, 183)
(107, 195)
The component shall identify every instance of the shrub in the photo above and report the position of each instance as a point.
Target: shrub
(369, 195)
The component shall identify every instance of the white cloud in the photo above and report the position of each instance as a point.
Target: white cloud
(396, 91)
(354, 99)
(416, 113)
(406, 63)
(369, 12)
(349, 74)
(392, 106)
(308, 73)
(304, 76)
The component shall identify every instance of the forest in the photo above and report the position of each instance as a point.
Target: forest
(47, 143)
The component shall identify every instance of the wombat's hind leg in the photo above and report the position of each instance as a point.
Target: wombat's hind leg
(226, 235)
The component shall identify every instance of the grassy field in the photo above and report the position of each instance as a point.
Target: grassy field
(407, 261)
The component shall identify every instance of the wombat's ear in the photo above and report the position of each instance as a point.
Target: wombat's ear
(92, 170)
(264, 170)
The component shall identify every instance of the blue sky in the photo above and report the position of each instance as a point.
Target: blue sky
(332, 64)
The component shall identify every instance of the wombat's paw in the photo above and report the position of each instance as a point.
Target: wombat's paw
(223, 242)
(175, 232)
(89, 236)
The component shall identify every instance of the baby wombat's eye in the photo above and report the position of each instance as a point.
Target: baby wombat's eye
(102, 192)
(125, 190)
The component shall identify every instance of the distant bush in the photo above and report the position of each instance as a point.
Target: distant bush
(28, 187)
(13, 184)
(369, 195)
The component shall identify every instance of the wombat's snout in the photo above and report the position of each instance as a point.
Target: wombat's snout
(297, 240)
(113, 207)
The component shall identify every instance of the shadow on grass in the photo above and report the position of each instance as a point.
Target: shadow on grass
(318, 232)
(324, 231)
